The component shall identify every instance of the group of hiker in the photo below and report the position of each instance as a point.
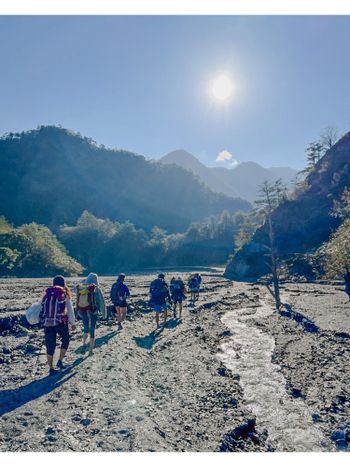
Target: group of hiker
(57, 311)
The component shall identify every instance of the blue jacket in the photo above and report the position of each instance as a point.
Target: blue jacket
(122, 289)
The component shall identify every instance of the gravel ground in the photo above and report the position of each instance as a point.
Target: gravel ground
(168, 390)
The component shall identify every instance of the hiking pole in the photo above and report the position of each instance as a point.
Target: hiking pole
(37, 359)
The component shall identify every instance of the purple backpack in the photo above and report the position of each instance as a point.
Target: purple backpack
(54, 309)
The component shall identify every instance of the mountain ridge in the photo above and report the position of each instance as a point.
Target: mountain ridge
(51, 175)
(303, 224)
(240, 181)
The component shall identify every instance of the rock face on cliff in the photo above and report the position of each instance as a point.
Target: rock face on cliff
(301, 224)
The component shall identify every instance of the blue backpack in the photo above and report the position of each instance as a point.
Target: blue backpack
(176, 288)
(159, 290)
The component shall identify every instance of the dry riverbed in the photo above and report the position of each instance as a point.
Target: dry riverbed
(199, 384)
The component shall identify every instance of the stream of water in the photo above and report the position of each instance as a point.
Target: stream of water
(248, 353)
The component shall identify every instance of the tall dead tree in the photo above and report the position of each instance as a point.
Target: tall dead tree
(269, 197)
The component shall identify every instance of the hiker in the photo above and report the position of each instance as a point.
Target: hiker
(57, 311)
(177, 292)
(199, 280)
(193, 286)
(159, 296)
(90, 302)
(347, 282)
(119, 295)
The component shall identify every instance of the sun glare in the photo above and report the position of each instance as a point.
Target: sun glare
(222, 88)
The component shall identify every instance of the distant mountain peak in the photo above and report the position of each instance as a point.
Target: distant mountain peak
(183, 158)
(241, 181)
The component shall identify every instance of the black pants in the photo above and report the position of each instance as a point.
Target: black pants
(51, 334)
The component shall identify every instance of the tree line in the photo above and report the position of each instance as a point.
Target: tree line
(108, 247)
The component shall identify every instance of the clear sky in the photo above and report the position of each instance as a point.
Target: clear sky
(142, 83)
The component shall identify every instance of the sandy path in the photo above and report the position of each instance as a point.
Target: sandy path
(170, 390)
(142, 390)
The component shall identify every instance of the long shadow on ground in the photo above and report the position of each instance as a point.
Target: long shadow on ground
(147, 342)
(12, 399)
(306, 323)
(99, 342)
(172, 323)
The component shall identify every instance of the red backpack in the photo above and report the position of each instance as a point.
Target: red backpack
(54, 309)
(86, 299)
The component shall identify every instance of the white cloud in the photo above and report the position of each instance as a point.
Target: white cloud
(224, 156)
(233, 163)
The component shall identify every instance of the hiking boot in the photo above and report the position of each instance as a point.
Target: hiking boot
(60, 365)
(120, 327)
(53, 372)
(91, 353)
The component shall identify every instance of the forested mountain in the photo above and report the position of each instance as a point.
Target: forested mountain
(108, 247)
(51, 175)
(241, 181)
(33, 250)
(303, 223)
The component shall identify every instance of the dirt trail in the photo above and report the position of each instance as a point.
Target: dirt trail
(147, 390)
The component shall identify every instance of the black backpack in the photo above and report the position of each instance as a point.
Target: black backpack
(117, 292)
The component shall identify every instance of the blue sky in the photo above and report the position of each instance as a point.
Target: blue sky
(141, 83)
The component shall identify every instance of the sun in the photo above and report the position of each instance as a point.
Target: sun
(222, 88)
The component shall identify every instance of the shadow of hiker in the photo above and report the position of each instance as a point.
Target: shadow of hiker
(147, 342)
(12, 399)
(99, 342)
(172, 323)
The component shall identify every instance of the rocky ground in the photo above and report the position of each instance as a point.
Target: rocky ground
(169, 390)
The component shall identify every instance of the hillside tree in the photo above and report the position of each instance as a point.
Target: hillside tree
(269, 197)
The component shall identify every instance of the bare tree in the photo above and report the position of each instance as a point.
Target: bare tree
(328, 138)
(270, 196)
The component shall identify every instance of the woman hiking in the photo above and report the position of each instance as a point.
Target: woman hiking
(119, 295)
(57, 311)
(90, 303)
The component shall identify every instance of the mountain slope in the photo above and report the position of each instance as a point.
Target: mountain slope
(51, 175)
(242, 181)
(303, 224)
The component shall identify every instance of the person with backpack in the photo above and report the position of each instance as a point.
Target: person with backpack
(56, 313)
(90, 303)
(193, 286)
(119, 295)
(199, 281)
(177, 292)
(159, 292)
